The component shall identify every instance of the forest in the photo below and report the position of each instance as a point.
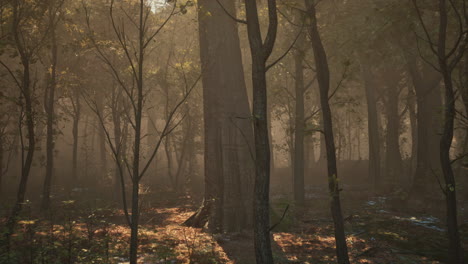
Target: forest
(233, 131)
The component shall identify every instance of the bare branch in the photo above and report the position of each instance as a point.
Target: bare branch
(230, 15)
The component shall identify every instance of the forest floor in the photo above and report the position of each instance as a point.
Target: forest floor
(375, 234)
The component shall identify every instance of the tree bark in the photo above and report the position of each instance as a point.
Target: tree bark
(426, 84)
(393, 160)
(75, 133)
(50, 144)
(228, 130)
(455, 249)
(372, 125)
(299, 124)
(260, 52)
(27, 95)
(1, 164)
(323, 78)
(414, 133)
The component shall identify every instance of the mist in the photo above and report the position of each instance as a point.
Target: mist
(233, 131)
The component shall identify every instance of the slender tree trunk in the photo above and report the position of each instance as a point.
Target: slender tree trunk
(349, 130)
(393, 160)
(455, 249)
(414, 132)
(102, 145)
(299, 124)
(75, 132)
(167, 149)
(137, 143)
(118, 141)
(323, 78)
(29, 115)
(182, 157)
(260, 52)
(50, 144)
(372, 125)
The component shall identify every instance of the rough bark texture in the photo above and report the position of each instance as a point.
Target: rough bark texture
(228, 130)
(323, 78)
(260, 51)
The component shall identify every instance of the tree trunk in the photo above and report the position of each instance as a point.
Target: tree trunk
(50, 111)
(426, 84)
(119, 185)
(260, 52)
(299, 124)
(1, 164)
(414, 133)
(323, 78)
(393, 160)
(29, 114)
(228, 130)
(102, 145)
(463, 163)
(137, 143)
(372, 125)
(455, 249)
(75, 132)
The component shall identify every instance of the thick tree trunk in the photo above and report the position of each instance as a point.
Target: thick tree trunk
(228, 130)
(426, 84)
(323, 78)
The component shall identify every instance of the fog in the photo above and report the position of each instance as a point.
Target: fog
(233, 131)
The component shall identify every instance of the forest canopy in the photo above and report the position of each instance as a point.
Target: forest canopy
(233, 131)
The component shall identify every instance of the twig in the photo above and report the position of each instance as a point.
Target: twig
(281, 219)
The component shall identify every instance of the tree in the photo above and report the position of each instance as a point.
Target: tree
(323, 78)
(260, 51)
(24, 14)
(448, 56)
(299, 128)
(228, 131)
(136, 41)
(372, 122)
(54, 17)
